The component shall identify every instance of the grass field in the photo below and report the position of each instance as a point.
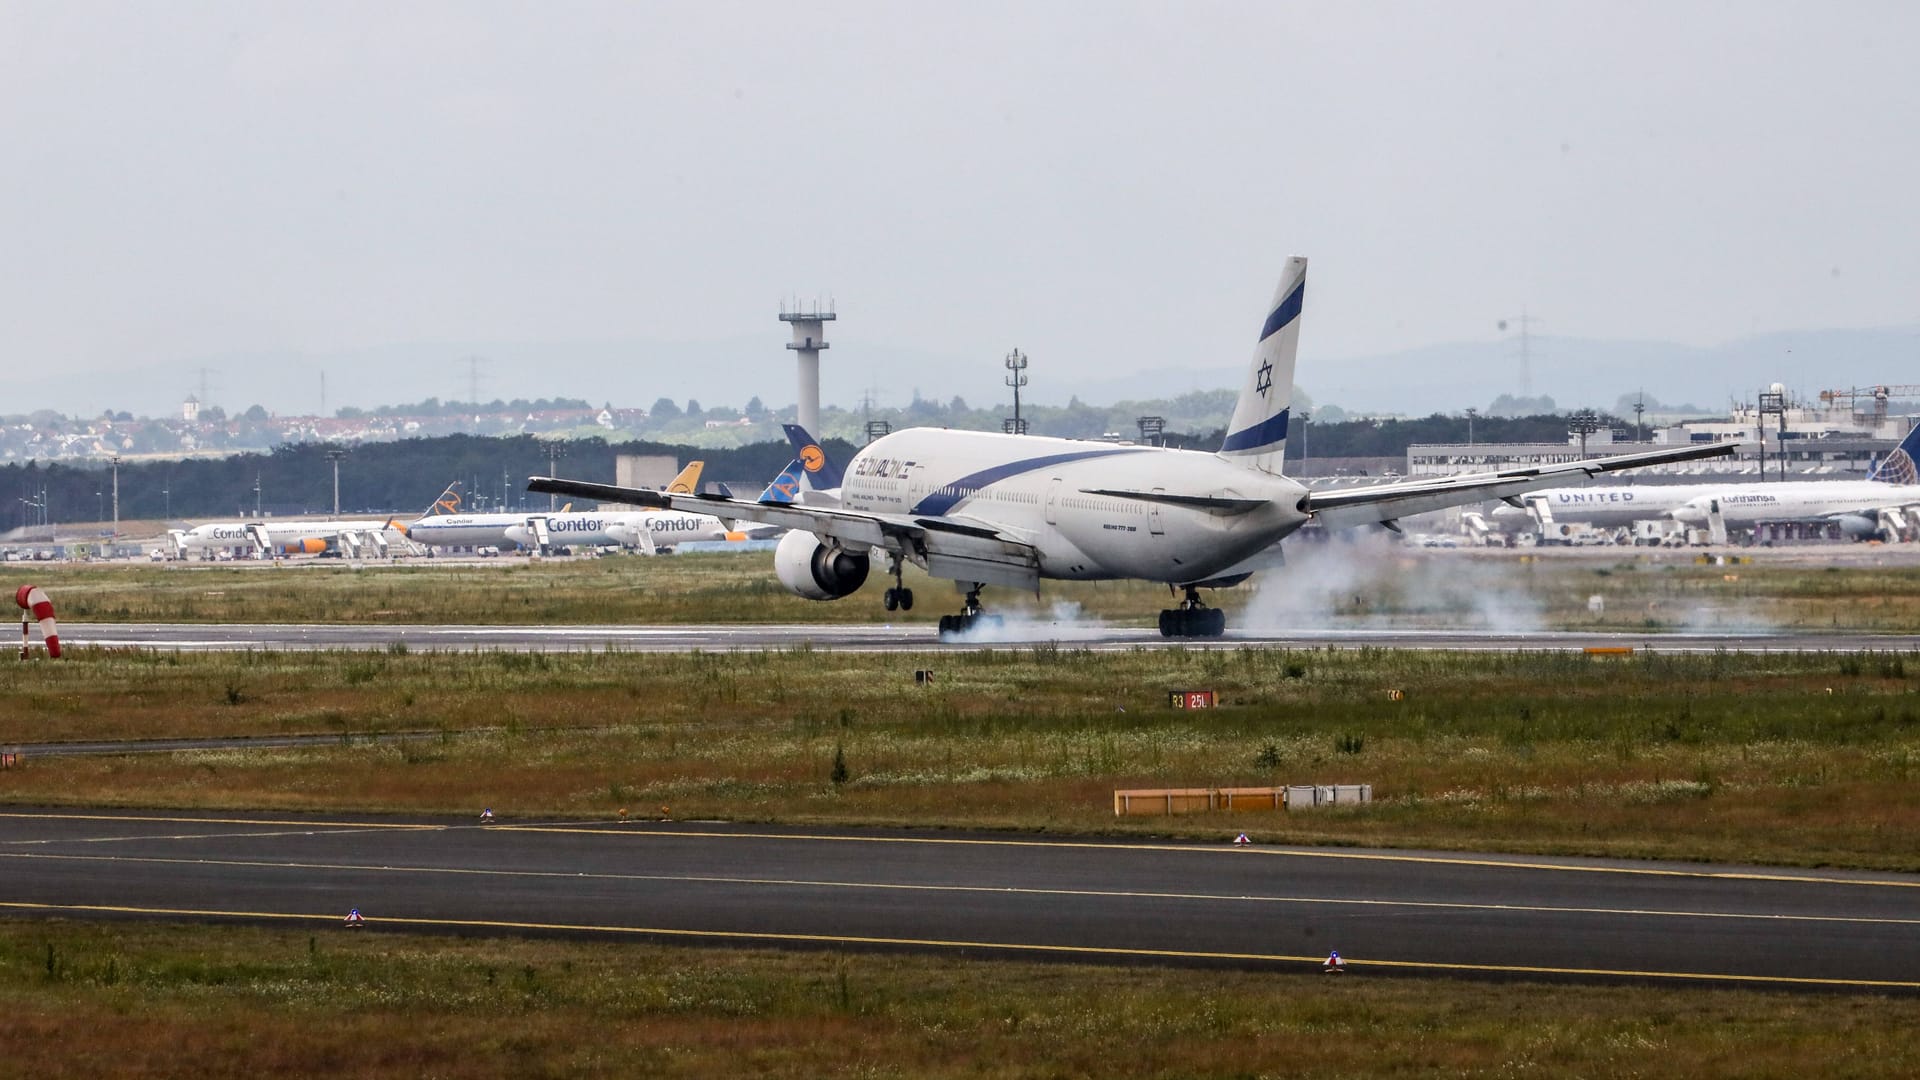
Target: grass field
(1806, 759)
(141, 999)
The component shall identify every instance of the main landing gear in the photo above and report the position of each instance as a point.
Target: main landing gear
(899, 597)
(952, 626)
(1192, 618)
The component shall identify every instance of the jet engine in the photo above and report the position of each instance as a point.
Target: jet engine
(816, 571)
(1859, 526)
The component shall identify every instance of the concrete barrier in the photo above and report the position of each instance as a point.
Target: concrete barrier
(1160, 802)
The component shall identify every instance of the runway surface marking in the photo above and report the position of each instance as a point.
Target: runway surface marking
(196, 820)
(1004, 890)
(1296, 853)
(1052, 950)
(642, 831)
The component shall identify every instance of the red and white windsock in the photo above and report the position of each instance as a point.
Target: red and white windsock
(34, 603)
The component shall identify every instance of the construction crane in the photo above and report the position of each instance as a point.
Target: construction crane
(1855, 397)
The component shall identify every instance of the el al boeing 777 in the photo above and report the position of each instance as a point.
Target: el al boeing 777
(983, 508)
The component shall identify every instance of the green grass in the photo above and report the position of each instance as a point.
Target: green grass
(144, 999)
(1803, 759)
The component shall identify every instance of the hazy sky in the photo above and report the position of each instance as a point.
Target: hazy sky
(1109, 186)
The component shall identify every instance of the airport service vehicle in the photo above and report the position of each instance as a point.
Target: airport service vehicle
(1882, 505)
(983, 508)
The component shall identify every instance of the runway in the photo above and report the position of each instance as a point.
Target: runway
(857, 637)
(1143, 902)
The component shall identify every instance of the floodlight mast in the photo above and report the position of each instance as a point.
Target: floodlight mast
(1016, 378)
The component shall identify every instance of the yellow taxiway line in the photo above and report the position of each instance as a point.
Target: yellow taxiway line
(1017, 947)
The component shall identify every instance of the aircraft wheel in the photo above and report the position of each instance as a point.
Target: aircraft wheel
(891, 599)
(1169, 622)
(1214, 622)
(906, 599)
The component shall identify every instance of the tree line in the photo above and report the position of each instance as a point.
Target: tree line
(404, 477)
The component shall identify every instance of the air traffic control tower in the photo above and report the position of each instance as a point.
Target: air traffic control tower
(809, 337)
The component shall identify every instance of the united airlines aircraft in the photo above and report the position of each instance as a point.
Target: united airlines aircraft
(984, 508)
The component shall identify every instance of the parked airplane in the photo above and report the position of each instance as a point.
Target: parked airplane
(647, 530)
(984, 508)
(286, 537)
(1604, 507)
(1882, 504)
(812, 476)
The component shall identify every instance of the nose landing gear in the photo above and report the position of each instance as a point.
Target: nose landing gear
(1193, 618)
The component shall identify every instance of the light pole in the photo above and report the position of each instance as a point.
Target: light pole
(1471, 413)
(116, 496)
(99, 506)
(1772, 403)
(256, 496)
(335, 456)
(1016, 378)
(1304, 418)
(554, 453)
(1583, 424)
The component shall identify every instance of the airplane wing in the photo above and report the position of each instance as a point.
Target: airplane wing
(949, 547)
(1385, 502)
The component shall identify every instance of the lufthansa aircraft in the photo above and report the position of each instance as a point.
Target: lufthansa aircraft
(1862, 509)
(983, 508)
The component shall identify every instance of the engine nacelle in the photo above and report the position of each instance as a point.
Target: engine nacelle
(1859, 526)
(816, 571)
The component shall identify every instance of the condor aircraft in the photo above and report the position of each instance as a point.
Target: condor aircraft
(445, 526)
(286, 537)
(984, 508)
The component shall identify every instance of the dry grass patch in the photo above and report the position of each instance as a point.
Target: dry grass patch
(147, 999)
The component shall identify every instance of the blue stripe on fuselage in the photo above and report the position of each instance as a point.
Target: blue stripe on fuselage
(1288, 311)
(944, 499)
(1265, 433)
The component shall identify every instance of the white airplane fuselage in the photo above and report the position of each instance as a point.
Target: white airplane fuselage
(566, 528)
(1800, 500)
(215, 535)
(1609, 506)
(1033, 488)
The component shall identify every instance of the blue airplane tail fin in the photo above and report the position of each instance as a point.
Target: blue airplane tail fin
(785, 487)
(1898, 467)
(822, 473)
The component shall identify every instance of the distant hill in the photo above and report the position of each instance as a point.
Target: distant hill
(1445, 378)
(1575, 372)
